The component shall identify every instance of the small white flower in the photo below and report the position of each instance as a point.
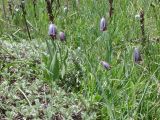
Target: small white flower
(16, 9)
(137, 16)
(65, 9)
(79, 48)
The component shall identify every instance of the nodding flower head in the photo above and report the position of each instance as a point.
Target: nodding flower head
(136, 55)
(105, 65)
(62, 36)
(52, 31)
(103, 24)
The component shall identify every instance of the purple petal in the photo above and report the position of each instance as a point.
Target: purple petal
(136, 55)
(62, 36)
(105, 65)
(52, 30)
(103, 24)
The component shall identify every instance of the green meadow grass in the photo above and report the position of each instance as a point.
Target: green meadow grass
(42, 79)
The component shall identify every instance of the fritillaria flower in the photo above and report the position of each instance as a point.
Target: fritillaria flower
(62, 36)
(103, 24)
(52, 31)
(105, 65)
(136, 55)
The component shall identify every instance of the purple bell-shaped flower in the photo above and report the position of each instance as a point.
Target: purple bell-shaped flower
(105, 65)
(52, 31)
(103, 24)
(136, 55)
(62, 36)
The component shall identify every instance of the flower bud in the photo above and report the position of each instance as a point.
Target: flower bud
(103, 24)
(16, 9)
(105, 65)
(62, 36)
(136, 55)
(65, 9)
(52, 31)
(137, 16)
(77, 2)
